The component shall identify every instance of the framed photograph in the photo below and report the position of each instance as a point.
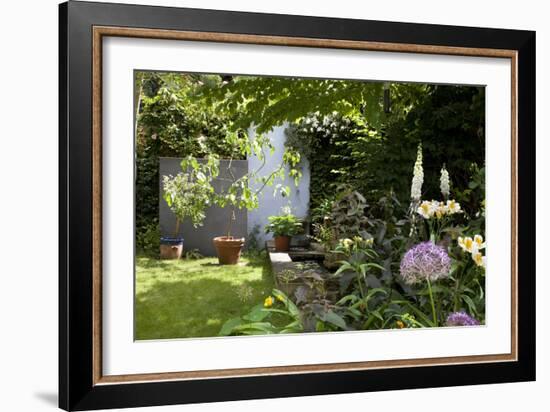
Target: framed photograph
(256, 205)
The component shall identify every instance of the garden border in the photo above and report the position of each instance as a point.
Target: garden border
(82, 26)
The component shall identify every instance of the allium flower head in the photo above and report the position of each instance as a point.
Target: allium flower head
(418, 176)
(461, 319)
(425, 261)
(445, 183)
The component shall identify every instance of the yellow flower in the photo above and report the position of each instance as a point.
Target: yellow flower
(400, 324)
(436, 209)
(478, 240)
(440, 210)
(478, 258)
(268, 302)
(453, 207)
(280, 297)
(347, 242)
(466, 244)
(425, 209)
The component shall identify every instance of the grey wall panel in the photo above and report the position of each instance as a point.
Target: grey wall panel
(217, 219)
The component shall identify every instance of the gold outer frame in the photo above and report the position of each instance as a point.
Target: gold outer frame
(101, 31)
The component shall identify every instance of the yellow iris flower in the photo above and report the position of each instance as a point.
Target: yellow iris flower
(466, 244)
(452, 207)
(478, 258)
(425, 209)
(478, 240)
(474, 246)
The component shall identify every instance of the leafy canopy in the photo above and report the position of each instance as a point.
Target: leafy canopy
(266, 102)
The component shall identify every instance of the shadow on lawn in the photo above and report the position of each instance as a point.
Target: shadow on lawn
(183, 307)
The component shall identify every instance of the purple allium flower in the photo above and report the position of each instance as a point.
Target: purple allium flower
(461, 319)
(425, 261)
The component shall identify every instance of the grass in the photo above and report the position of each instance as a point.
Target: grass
(193, 298)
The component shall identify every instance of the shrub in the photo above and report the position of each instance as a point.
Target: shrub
(148, 238)
(285, 224)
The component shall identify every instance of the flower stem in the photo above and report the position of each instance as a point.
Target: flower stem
(432, 302)
(457, 285)
(360, 283)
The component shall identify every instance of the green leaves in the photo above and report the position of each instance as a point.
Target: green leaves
(229, 326)
(334, 319)
(284, 225)
(257, 314)
(267, 102)
(190, 192)
(282, 316)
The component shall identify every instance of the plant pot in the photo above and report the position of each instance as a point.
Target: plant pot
(282, 243)
(228, 249)
(171, 247)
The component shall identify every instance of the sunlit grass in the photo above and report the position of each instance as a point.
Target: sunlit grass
(194, 298)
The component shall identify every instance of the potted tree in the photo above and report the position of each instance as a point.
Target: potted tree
(238, 196)
(187, 194)
(283, 227)
(229, 248)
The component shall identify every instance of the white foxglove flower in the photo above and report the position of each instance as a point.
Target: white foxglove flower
(445, 184)
(418, 176)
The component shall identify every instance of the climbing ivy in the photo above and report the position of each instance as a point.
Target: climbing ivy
(448, 120)
(172, 122)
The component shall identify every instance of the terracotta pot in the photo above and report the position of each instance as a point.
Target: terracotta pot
(228, 249)
(282, 243)
(171, 248)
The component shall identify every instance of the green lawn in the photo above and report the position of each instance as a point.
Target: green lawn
(193, 298)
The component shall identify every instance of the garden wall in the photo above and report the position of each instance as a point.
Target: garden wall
(269, 204)
(217, 219)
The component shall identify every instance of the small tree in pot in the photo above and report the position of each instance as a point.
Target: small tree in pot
(283, 227)
(237, 196)
(243, 193)
(187, 194)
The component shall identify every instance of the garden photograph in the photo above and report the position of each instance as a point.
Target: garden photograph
(281, 205)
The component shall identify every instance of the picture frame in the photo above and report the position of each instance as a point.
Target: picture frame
(82, 28)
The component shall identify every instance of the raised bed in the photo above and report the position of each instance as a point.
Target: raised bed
(299, 273)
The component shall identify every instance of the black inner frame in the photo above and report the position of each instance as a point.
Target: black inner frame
(76, 388)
